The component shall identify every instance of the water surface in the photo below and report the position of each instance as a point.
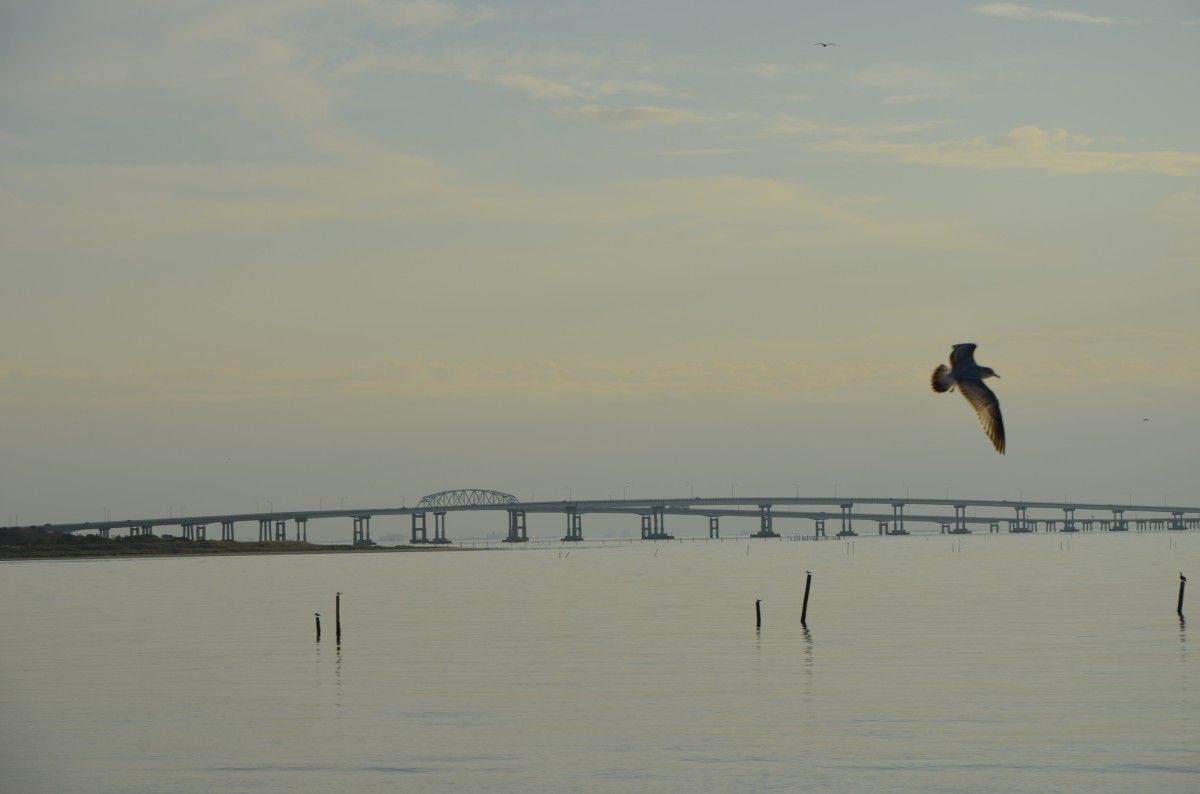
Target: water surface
(930, 664)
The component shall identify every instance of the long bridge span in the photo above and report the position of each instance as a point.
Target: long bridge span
(837, 516)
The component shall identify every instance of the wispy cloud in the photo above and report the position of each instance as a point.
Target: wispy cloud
(1032, 148)
(907, 84)
(1014, 11)
(643, 115)
(797, 125)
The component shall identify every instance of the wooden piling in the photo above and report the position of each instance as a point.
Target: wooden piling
(318, 614)
(758, 613)
(339, 618)
(804, 609)
(1182, 585)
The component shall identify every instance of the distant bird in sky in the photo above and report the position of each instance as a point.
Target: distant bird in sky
(968, 376)
(824, 44)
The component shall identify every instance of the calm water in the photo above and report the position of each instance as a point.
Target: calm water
(1037, 663)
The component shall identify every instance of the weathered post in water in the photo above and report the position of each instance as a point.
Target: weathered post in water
(758, 613)
(318, 614)
(339, 618)
(804, 609)
(1182, 584)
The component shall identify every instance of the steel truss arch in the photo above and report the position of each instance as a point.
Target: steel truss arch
(467, 497)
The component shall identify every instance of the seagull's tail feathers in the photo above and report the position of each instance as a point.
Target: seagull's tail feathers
(942, 380)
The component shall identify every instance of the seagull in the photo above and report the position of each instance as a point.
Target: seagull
(824, 44)
(968, 376)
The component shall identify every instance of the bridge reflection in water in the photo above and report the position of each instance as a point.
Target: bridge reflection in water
(843, 511)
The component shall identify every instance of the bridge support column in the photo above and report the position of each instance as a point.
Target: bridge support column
(994, 528)
(883, 527)
(264, 530)
(898, 519)
(418, 529)
(227, 530)
(654, 526)
(714, 527)
(439, 528)
(574, 527)
(847, 522)
(200, 531)
(1087, 524)
(960, 520)
(102, 531)
(516, 527)
(1119, 524)
(147, 529)
(766, 523)
(281, 531)
(819, 532)
(1177, 521)
(302, 529)
(1069, 520)
(362, 530)
(1022, 520)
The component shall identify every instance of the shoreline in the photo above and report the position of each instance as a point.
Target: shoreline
(202, 549)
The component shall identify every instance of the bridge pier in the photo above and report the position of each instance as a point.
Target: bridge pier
(281, 531)
(103, 531)
(302, 529)
(883, 527)
(1176, 521)
(516, 527)
(1119, 524)
(898, 519)
(960, 521)
(362, 531)
(227, 530)
(654, 526)
(439, 528)
(418, 529)
(1022, 520)
(1069, 520)
(194, 531)
(766, 523)
(847, 522)
(264, 530)
(819, 531)
(574, 527)
(994, 528)
(714, 527)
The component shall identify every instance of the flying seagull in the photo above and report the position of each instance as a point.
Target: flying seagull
(968, 376)
(824, 44)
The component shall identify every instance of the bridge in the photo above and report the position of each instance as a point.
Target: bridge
(842, 512)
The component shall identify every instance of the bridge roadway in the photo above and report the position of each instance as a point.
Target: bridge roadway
(273, 525)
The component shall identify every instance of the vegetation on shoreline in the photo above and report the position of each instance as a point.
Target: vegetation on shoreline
(18, 543)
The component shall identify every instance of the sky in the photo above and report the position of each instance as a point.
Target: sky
(293, 254)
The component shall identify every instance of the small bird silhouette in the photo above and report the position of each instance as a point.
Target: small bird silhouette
(968, 376)
(824, 44)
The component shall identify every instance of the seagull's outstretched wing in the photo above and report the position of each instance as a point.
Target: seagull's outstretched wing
(987, 408)
(964, 352)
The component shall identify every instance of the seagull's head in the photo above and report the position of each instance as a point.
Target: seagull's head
(987, 372)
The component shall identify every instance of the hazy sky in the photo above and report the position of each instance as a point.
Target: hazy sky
(294, 252)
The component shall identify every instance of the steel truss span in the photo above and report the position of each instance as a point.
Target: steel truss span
(467, 497)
